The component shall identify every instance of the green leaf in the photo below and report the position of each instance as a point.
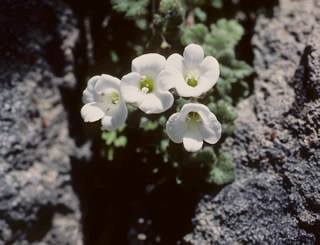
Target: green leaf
(245, 85)
(178, 180)
(175, 164)
(114, 56)
(167, 6)
(228, 128)
(165, 157)
(224, 87)
(225, 111)
(122, 128)
(164, 144)
(223, 171)
(211, 98)
(194, 34)
(206, 155)
(225, 71)
(132, 107)
(162, 120)
(201, 15)
(223, 37)
(131, 8)
(109, 137)
(147, 124)
(212, 107)
(231, 27)
(120, 141)
(241, 69)
(181, 102)
(138, 49)
(217, 4)
(110, 154)
(141, 23)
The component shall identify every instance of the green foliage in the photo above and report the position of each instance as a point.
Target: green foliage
(225, 112)
(114, 139)
(130, 8)
(195, 34)
(114, 56)
(206, 155)
(109, 137)
(214, 168)
(220, 42)
(147, 124)
(201, 15)
(164, 144)
(224, 86)
(217, 4)
(181, 102)
(170, 16)
(135, 10)
(193, 3)
(168, 6)
(223, 170)
(235, 70)
(141, 23)
(121, 141)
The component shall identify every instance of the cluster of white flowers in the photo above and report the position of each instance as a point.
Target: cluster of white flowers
(148, 87)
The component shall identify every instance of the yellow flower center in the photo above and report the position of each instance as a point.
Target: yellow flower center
(191, 80)
(193, 116)
(115, 98)
(146, 85)
(110, 98)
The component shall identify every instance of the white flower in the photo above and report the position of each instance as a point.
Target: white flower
(141, 86)
(194, 124)
(103, 100)
(192, 74)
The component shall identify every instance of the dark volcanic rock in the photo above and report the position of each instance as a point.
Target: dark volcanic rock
(249, 212)
(312, 75)
(276, 196)
(37, 201)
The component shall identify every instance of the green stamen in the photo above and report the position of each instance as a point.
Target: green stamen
(115, 97)
(194, 116)
(147, 83)
(191, 81)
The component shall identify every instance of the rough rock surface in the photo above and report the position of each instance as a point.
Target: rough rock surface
(38, 204)
(276, 196)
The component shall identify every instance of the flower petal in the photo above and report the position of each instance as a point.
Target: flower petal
(193, 55)
(92, 112)
(209, 127)
(176, 61)
(184, 90)
(209, 68)
(149, 65)
(176, 128)
(211, 131)
(129, 87)
(193, 107)
(192, 140)
(204, 85)
(107, 82)
(156, 102)
(89, 93)
(168, 78)
(115, 118)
